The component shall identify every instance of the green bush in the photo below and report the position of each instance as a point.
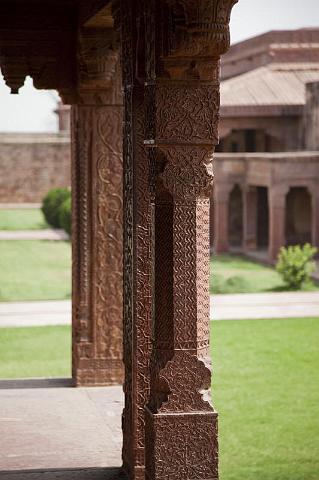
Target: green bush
(51, 204)
(65, 215)
(295, 265)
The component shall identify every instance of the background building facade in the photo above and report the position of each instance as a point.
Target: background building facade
(268, 162)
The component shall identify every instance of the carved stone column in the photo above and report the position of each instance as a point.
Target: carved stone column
(277, 220)
(183, 42)
(250, 195)
(138, 231)
(97, 214)
(221, 217)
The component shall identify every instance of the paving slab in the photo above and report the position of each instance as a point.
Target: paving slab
(35, 314)
(45, 234)
(59, 428)
(264, 305)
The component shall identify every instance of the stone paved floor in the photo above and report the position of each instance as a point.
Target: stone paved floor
(49, 426)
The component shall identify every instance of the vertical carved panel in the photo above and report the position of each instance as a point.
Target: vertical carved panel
(107, 239)
(142, 276)
(137, 247)
(97, 247)
(81, 236)
(127, 71)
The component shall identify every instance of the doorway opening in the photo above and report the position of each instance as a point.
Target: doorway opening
(235, 213)
(298, 216)
(262, 218)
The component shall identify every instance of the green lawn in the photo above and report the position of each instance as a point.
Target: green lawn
(34, 270)
(238, 274)
(35, 352)
(22, 219)
(265, 388)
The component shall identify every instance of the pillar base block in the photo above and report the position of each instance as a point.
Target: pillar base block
(181, 446)
(135, 473)
(98, 372)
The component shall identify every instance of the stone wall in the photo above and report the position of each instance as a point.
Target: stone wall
(32, 164)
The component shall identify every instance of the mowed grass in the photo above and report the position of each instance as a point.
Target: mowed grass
(35, 352)
(238, 274)
(22, 219)
(35, 270)
(265, 388)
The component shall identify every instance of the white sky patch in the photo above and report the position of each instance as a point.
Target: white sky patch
(30, 111)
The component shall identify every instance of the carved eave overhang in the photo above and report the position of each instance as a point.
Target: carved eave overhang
(39, 38)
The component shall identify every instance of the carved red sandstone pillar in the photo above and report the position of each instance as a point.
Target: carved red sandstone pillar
(221, 217)
(183, 42)
(97, 217)
(138, 228)
(250, 218)
(277, 220)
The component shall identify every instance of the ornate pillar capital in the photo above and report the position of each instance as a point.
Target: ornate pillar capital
(188, 173)
(98, 73)
(199, 34)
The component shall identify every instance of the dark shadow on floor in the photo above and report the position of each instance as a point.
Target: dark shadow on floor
(109, 473)
(36, 383)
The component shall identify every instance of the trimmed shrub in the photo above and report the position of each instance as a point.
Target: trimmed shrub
(51, 204)
(295, 265)
(65, 215)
